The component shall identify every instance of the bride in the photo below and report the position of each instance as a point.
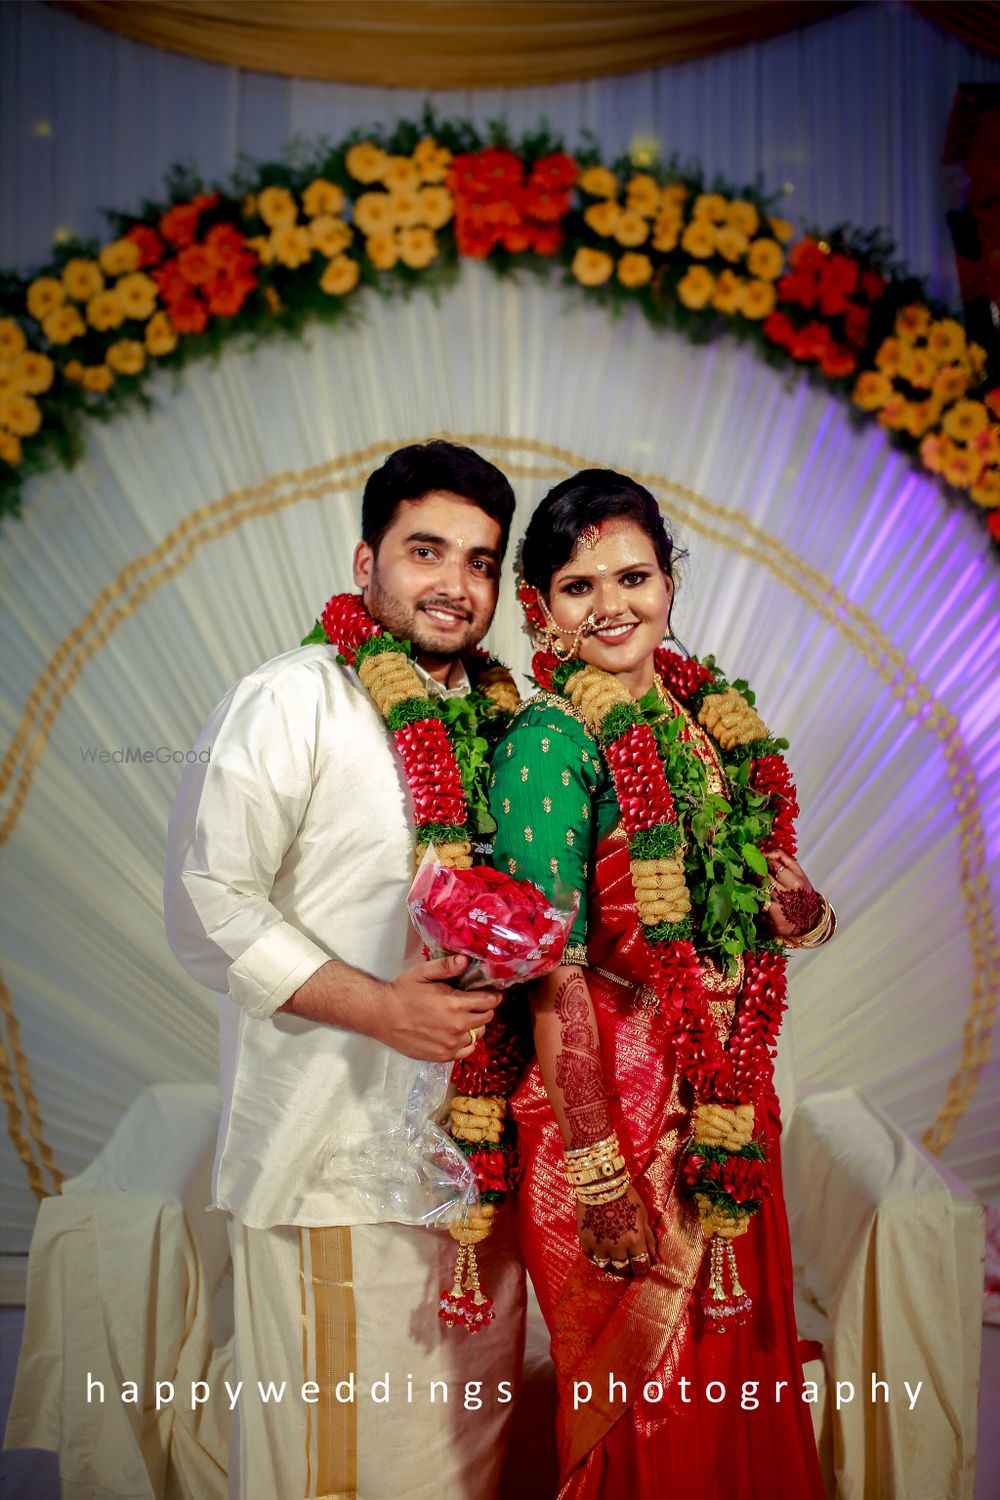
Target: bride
(651, 1212)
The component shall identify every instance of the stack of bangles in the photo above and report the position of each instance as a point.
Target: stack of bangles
(597, 1173)
(817, 935)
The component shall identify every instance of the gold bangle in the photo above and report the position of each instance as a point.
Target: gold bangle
(818, 935)
(606, 1195)
(595, 1146)
(601, 1172)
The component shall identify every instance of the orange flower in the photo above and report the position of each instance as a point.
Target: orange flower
(634, 270)
(951, 382)
(63, 325)
(631, 229)
(10, 448)
(431, 161)
(666, 231)
(889, 355)
(329, 235)
(290, 245)
(895, 412)
(965, 420)
(12, 339)
(781, 229)
(695, 289)
(962, 468)
(73, 370)
(436, 206)
(137, 295)
(97, 378)
(916, 366)
(126, 356)
(161, 336)
(698, 239)
(248, 208)
(976, 355)
(322, 198)
(673, 197)
(9, 385)
(82, 279)
(45, 294)
(728, 295)
(401, 173)
(946, 340)
(405, 207)
(742, 216)
(118, 258)
(603, 216)
(373, 214)
(921, 415)
(274, 302)
(366, 162)
(260, 244)
(710, 206)
(765, 259)
(104, 311)
(33, 372)
(643, 195)
(913, 322)
(382, 250)
(20, 415)
(340, 276)
(934, 450)
(731, 243)
(591, 267)
(417, 247)
(986, 491)
(277, 207)
(758, 299)
(598, 182)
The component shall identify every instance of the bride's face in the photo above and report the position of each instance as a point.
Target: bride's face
(620, 582)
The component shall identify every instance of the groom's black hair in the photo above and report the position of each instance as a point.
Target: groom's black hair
(411, 473)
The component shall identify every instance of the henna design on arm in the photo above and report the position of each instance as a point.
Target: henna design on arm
(801, 908)
(578, 1069)
(611, 1221)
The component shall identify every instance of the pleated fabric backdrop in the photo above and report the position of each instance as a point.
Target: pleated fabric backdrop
(201, 539)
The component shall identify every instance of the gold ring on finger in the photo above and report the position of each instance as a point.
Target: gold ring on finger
(620, 1265)
(639, 1260)
(475, 1032)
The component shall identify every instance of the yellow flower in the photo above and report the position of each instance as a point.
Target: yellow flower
(603, 216)
(9, 385)
(127, 356)
(340, 276)
(291, 245)
(321, 198)
(260, 244)
(277, 207)
(63, 325)
(781, 229)
(933, 451)
(920, 416)
(965, 420)
(765, 259)
(248, 208)
(634, 270)
(696, 287)
(12, 339)
(118, 258)
(104, 311)
(591, 267)
(698, 239)
(758, 299)
(728, 295)
(10, 448)
(895, 412)
(417, 247)
(631, 229)
(366, 163)
(916, 366)
(673, 197)
(951, 382)
(643, 195)
(373, 213)
(401, 172)
(731, 243)
(666, 231)
(161, 336)
(34, 372)
(962, 468)
(382, 250)
(598, 182)
(405, 207)
(888, 356)
(44, 296)
(329, 235)
(872, 389)
(137, 295)
(20, 415)
(436, 206)
(743, 216)
(987, 491)
(82, 279)
(710, 206)
(273, 301)
(431, 160)
(976, 355)
(73, 370)
(946, 340)
(97, 378)
(913, 322)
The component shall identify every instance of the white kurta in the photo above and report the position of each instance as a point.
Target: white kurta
(292, 844)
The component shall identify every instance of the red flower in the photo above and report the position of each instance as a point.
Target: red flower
(833, 303)
(682, 674)
(226, 295)
(179, 224)
(347, 624)
(171, 283)
(838, 362)
(993, 525)
(509, 925)
(227, 245)
(151, 248)
(856, 324)
(872, 285)
(555, 171)
(188, 315)
(516, 240)
(540, 203)
(546, 241)
(806, 256)
(780, 329)
(839, 273)
(799, 288)
(474, 240)
(811, 342)
(196, 265)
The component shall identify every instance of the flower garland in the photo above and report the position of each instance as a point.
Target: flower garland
(724, 1167)
(284, 242)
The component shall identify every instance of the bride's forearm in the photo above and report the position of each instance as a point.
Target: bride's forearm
(569, 1056)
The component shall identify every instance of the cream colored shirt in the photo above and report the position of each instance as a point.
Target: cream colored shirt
(293, 844)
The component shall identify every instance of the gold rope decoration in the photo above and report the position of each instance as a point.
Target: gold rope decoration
(813, 587)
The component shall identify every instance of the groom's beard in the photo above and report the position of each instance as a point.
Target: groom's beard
(412, 622)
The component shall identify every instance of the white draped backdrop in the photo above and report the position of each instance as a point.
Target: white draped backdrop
(821, 565)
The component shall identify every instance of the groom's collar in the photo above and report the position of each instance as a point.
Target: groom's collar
(435, 688)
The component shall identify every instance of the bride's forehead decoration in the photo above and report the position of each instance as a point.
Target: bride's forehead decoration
(589, 536)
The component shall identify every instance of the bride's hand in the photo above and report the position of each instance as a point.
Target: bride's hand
(617, 1232)
(793, 906)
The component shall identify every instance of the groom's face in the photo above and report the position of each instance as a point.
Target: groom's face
(435, 574)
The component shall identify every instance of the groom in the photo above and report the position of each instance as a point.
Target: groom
(290, 855)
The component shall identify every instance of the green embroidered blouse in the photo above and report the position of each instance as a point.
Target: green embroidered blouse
(553, 801)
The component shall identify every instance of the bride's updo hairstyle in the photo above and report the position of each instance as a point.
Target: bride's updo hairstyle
(587, 499)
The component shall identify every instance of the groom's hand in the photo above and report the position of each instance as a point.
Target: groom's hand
(425, 1017)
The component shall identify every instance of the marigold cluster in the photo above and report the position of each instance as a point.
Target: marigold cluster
(500, 203)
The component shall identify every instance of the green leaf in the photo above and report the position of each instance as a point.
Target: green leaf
(755, 859)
